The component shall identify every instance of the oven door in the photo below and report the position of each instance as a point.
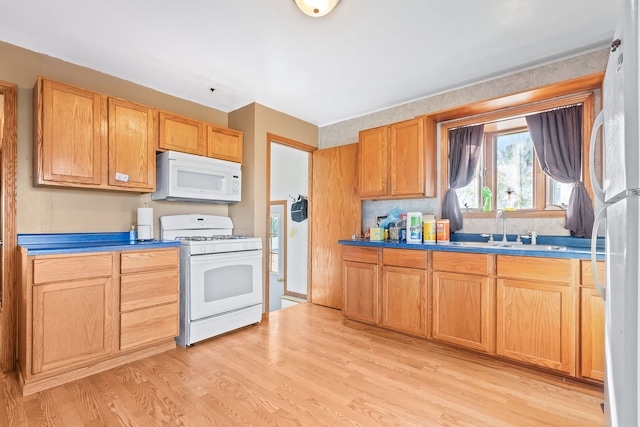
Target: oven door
(224, 282)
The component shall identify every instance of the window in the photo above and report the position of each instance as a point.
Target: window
(274, 250)
(508, 165)
(509, 168)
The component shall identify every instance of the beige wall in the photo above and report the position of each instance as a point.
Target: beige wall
(256, 121)
(57, 210)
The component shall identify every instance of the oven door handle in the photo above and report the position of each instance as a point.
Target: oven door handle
(226, 256)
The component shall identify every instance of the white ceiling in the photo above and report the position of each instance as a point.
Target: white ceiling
(364, 56)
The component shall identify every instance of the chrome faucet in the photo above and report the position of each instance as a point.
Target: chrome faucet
(500, 212)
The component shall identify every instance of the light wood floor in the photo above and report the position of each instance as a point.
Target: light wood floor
(307, 366)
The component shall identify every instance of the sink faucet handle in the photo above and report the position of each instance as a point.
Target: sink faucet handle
(531, 235)
(490, 236)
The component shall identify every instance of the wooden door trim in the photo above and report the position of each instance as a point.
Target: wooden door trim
(9, 258)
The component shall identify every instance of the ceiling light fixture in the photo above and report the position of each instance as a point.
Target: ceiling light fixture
(316, 8)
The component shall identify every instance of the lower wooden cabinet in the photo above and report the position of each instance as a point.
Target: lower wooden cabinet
(543, 312)
(80, 316)
(534, 324)
(462, 310)
(535, 318)
(592, 363)
(149, 288)
(403, 299)
(592, 358)
(360, 282)
(72, 323)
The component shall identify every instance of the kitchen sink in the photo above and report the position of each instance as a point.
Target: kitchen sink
(477, 244)
(510, 245)
(535, 247)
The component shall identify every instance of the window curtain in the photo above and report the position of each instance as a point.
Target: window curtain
(464, 152)
(557, 138)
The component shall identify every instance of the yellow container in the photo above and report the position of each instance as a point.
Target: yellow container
(429, 234)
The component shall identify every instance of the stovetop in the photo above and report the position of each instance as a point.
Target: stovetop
(205, 234)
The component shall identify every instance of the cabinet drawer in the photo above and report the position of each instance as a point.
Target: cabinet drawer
(405, 258)
(149, 260)
(148, 325)
(587, 273)
(148, 289)
(458, 262)
(360, 254)
(64, 268)
(544, 269)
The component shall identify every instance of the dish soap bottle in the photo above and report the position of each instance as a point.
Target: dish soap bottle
(133, 234)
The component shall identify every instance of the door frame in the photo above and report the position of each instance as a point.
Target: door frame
(276, 139)
(9, 258)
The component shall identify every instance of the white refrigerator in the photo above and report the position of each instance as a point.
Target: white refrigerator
(619, 191)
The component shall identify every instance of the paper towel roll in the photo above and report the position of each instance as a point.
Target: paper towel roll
(145, 223)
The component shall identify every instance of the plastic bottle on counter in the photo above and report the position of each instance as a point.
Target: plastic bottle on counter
(414, 227)
(133, 234)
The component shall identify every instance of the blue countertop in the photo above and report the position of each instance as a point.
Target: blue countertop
(577, 248)
(72, 243)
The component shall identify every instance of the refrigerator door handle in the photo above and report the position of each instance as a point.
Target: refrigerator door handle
(595, 183)
(601, 216)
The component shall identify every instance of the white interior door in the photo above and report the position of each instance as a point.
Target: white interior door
(277, 253)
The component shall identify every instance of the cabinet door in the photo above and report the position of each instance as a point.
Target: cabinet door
(225, 144)
(182, 134)
(592, 362)
(70, 141)
(72, 323)
(403, 299)
(591, 334)
(407, 158)
(463, 310)
(372, 163)
(535, 323)
(360, 282)
(132, 162)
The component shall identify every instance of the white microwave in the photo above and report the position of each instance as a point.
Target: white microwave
(189, 178)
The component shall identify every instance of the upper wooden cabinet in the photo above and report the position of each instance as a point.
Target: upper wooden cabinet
(398, 160)
(69, 135)
(182, 134)
(131, 145)
(372, 162)
(86, 139)
(223, 143)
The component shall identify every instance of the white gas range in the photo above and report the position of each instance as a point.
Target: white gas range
(220, 276)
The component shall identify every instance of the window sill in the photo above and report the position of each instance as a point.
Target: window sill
(521, 213)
